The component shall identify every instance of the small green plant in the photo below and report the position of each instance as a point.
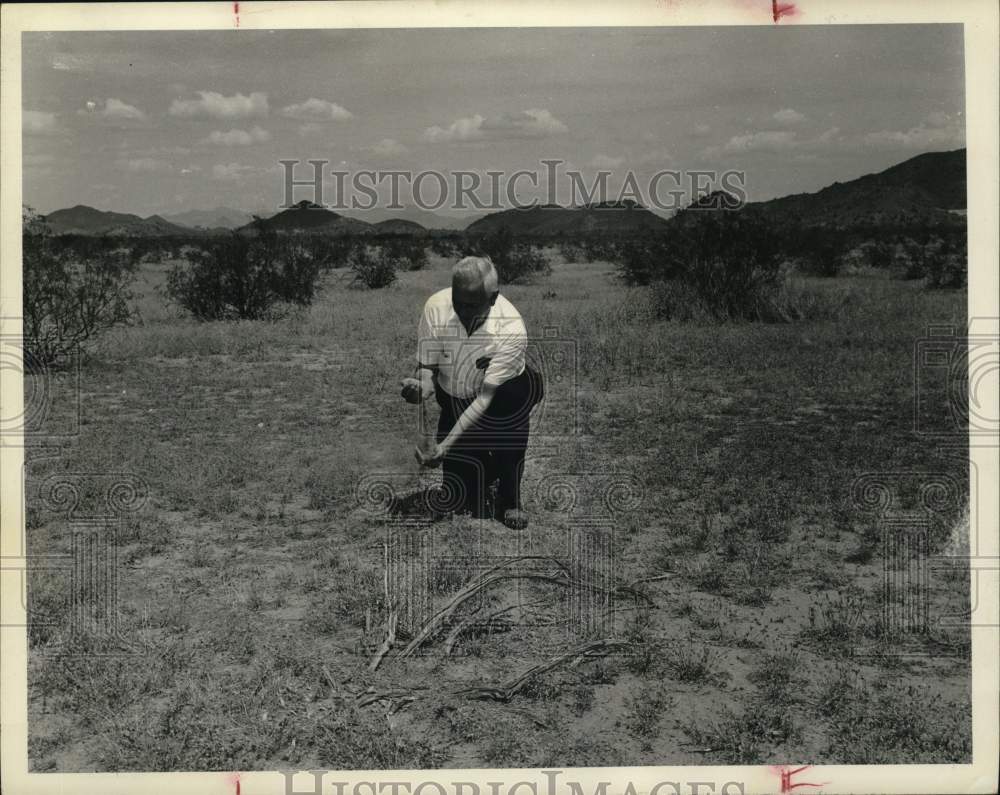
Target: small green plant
(776, 676)
(839, 620)
(740, 739)
(647, 710)
(690, 663)
(888, 722)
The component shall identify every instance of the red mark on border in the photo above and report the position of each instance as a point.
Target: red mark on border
(786, 778)
(236, 15)
(234, 779)
(779, 10)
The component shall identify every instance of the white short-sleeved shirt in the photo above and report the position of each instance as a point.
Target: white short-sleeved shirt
(494, 353)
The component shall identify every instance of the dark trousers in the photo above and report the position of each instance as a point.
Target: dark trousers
(493, 449)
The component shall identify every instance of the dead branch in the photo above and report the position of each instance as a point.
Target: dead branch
(480, 583)
(390, 638)
(495, 575)
(471, 621)
(505, 693)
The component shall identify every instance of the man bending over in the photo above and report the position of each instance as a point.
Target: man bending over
(471, 347)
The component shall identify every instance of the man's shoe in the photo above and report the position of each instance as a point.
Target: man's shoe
(515, 519)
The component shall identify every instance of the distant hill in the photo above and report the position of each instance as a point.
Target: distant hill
(399, 226)
(313, 219)
(84, 220)
(426, 218)
(216, 218)
(554, 219)
(929, 187)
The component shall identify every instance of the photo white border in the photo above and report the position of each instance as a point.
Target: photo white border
(980, 18)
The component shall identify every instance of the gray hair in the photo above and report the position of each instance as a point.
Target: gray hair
(473, 271)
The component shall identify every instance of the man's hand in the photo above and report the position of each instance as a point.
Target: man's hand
(416, 390)
(430, 459)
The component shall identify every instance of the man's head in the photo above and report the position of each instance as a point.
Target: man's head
(474, 289)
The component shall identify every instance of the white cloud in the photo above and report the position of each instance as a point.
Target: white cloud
(761, 141)
(316, 110)
(116, 109)
(468, 128)
(387, 147)
(238, 137)
(231, 171)
(701, 130)
(68, 62)
(113, 112)
(605, 162)
(38, 122)
(788, 117)
(938, 119)
(213, 105)
(829, 136)
(531, 123)
(938, 131)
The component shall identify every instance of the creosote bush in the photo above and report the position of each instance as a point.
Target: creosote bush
(70, 296)
(246, 275)
(515, 261)
(373, 267)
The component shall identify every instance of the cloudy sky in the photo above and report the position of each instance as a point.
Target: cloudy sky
(151, 122)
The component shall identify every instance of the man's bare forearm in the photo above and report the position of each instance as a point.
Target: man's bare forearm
(470, 417)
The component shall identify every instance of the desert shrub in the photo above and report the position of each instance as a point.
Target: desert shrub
(524, 262)
(728, 266)
(820, 251)
(444, 246)
(939, 257)
(514, 260)
(727, 263)
(785, 302)
(601, 248)
(69, 298)
(373, 267)
(409, 253)
(572, 252)
(947, 265)
(794, 300)
(244, 276)
(329, 251)
(881, 254)
(645, 259)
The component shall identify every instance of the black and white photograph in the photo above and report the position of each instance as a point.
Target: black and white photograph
(501, 397)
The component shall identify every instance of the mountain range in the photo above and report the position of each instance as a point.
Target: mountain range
(216, 218)
(927, 188)
(84, 220)
(553, 219)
